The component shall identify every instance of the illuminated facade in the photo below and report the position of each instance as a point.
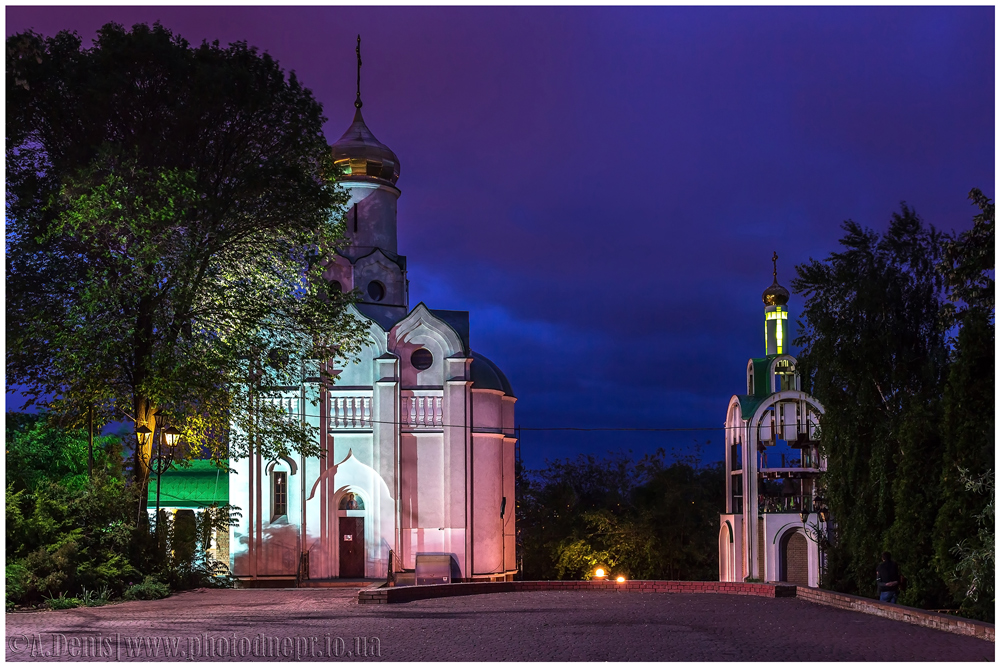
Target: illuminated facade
(418, 437)
(769, 529)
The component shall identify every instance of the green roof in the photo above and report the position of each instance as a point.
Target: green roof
(200, 485)
(748, 404)
(761, 366)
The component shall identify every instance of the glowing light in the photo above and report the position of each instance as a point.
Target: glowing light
(620, 580)
(599, 572)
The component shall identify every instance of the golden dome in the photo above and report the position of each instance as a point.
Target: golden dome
(364, 157)
(775, 295)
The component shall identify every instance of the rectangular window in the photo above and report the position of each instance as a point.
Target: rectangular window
(279, 494)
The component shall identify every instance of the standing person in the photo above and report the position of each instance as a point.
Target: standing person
(888, 579)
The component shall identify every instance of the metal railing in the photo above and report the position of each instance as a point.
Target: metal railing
(783, 504)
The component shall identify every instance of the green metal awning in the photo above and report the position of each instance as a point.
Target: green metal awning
(200, 485)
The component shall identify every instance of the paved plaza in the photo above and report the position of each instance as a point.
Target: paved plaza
(328, 624)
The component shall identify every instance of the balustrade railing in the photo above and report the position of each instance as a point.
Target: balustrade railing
(350, 411)
(421, 411)
(287, 404)
(783, 504)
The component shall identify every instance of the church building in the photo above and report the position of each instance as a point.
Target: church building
(417, 439)
(770, 529)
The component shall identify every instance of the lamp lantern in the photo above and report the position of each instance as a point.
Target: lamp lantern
(804, 514)
(170, 436)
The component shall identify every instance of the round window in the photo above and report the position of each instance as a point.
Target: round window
(376, 290)
(336, 287)
(422, 359)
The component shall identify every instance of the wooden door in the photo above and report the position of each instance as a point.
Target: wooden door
(352, 547)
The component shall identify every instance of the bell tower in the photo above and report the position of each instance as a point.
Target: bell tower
(369, 173)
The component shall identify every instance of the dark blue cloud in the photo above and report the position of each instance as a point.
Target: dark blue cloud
(602, 188)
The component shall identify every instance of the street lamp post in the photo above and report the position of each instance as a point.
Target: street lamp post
(169, 437)
(142, 434)
(819, 536)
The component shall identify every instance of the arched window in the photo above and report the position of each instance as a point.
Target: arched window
(376, 290)
(279, 494)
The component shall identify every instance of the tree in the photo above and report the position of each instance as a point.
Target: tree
(643, 519)
(40, 452)
(968, 409)
(978, 561)
(874, 353)
(66, 530)
(170, 210)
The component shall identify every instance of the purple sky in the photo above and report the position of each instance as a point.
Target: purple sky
(603, 188)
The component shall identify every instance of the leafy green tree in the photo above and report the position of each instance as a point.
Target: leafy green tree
(170, 210)
(40, 452)
(977, 557)
(874, 353)
(968, 413)
(66, 530)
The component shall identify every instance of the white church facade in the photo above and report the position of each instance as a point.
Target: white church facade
(417, 439)
(769, 529)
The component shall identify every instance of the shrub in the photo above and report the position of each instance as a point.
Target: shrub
(62, 602)
(149, 589)
(91, 598)
(16, 574)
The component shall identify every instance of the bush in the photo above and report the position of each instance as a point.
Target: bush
(149, 589)
(90, 598)
(62, 602)
(16, 577)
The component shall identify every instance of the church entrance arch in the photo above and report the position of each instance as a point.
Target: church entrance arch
(794, 558)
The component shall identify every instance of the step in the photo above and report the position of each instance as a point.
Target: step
(338, 583)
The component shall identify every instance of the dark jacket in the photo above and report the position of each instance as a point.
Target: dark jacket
(887, 571)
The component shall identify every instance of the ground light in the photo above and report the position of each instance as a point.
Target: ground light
(600, 573)
(620, 580)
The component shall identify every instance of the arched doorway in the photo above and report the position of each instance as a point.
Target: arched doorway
(351, 537)
(795, 558)
(726, 553)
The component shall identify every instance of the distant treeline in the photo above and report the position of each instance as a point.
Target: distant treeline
(643, 519)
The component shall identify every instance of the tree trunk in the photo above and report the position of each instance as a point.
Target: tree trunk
(144, 409)
(143, 405)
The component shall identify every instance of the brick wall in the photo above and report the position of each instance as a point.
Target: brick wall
(410, 593)
(797, 560)
(930, 619)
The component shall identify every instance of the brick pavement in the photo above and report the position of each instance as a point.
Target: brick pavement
(550, 625)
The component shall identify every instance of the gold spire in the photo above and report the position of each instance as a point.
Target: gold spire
(357, 102)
